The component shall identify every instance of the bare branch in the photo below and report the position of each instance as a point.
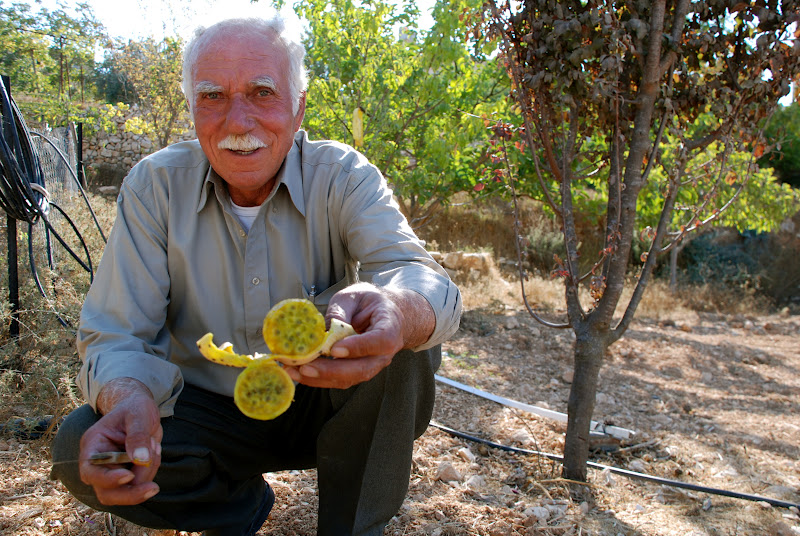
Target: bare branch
(647, 269)
(526, 109)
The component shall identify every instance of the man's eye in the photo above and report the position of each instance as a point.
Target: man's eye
(265, 92)
(212, 96)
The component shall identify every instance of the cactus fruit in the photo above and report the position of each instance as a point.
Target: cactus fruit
(295, 333)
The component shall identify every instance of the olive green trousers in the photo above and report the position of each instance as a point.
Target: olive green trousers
(213, 457)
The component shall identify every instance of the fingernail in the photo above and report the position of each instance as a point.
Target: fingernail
(340, 351)
(293, 374)
(141, 456)
(150, 493)
(125, 479)
(309, 372)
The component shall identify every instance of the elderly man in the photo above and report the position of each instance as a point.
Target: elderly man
(209, 235)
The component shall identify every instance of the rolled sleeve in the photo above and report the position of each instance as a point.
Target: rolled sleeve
(441, 293)
(390, 254)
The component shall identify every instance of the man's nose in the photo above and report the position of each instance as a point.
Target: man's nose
(240, 118)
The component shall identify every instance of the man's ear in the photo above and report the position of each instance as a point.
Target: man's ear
(301, 112)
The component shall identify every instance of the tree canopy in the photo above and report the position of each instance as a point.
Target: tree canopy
(414, 94)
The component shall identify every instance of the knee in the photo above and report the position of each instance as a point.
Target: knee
(65, 448)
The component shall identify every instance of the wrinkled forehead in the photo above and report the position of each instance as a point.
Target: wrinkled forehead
(235, 41)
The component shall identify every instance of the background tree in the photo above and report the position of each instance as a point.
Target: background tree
(783, 132)
(638, 75)
(415, 94)
(153, 70)
(23, 47)
(50, 52)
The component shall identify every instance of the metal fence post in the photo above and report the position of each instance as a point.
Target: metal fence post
(81, 171)
(11, 235)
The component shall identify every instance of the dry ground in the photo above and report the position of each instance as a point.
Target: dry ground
(713, 399)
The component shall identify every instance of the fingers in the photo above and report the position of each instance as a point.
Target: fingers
(133, 427)
(339, 373)
(114, 485)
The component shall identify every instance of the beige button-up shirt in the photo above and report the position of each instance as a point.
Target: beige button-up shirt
(178, 263)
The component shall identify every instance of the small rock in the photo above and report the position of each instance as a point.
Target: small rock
(779, 528)
(512, 323)
(538, 513)
(780, 492)
(567, 376)
(556, 510)
(476, 482)
(500, 528)
(608, 478)
(707, 504)
(638, 466)
(448, 473)
(584, 508)
(522, 436)
(466, 454)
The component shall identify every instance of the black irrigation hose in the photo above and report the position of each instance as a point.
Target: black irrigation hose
(35, 271)
(22, 188)
(19, 165)
(623, 472)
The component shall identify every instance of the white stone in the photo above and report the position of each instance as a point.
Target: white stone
(466, 454)
(448, 473)
(476, 482)
(541, 513)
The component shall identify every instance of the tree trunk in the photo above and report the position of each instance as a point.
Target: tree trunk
(673, 270)
(590, 347)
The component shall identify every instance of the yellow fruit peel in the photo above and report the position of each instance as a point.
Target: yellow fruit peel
(224, 354)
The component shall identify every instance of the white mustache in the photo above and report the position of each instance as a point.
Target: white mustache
(241, 142)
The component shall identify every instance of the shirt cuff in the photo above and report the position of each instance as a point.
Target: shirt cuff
(163, 378)
(440, 292)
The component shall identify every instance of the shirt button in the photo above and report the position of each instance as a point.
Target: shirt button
(241, 232)
(256, 281)
(274, 210)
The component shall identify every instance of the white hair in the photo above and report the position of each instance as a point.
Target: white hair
(285, 26)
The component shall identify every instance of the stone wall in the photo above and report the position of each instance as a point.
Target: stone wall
(121, 149)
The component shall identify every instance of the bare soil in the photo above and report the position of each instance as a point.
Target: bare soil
(713, 399)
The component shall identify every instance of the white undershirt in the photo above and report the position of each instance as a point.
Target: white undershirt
(246, 215)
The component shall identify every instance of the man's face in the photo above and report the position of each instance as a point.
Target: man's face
(241, 88)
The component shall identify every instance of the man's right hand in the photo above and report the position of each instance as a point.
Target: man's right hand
(130, 423)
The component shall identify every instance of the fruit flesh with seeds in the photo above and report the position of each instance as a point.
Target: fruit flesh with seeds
(295, 333)
(263, 390)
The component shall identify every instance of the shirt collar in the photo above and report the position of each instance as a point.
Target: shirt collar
(290, 175)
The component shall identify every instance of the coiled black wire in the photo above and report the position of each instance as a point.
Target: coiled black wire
(23, 193)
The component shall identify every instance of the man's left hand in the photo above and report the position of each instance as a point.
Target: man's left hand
(386, 321)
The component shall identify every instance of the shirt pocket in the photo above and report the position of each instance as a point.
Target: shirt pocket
(321, 298)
